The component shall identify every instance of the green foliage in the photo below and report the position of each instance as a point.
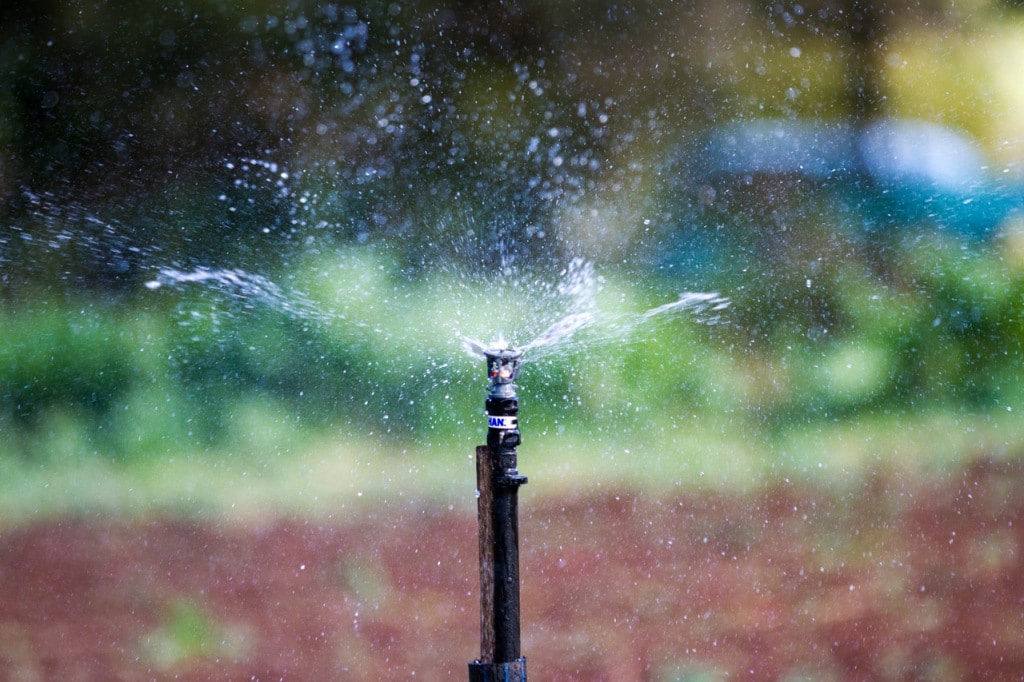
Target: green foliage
(188, 634)
(65, 372)
(940, 329)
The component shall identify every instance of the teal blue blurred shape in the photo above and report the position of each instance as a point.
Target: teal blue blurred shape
(896, 172)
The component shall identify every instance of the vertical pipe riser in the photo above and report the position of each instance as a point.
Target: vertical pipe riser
(499, 482)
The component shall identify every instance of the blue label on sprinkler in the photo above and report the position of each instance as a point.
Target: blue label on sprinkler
(498, 422)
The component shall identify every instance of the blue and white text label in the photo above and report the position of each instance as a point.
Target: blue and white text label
(498, 422)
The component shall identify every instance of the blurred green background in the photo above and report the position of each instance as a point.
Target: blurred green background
(359, 185)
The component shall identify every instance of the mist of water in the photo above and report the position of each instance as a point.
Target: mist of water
(246, 287)
(566, 305)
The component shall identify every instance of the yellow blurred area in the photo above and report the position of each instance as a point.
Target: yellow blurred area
(969, 79)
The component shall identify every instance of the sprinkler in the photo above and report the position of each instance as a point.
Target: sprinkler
(502, 405)
(498, 483)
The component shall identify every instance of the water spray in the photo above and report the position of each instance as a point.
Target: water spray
(498, 482)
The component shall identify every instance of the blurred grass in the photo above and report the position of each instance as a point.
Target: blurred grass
(328, 476)
(189, 633)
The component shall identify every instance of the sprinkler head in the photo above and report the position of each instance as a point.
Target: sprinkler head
(502, 405)
(503, 369)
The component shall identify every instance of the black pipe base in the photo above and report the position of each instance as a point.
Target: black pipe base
(514, 671)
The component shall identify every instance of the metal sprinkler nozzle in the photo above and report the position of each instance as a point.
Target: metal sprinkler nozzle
(503, 367)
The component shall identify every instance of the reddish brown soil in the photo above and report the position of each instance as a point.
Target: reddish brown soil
(888, 581)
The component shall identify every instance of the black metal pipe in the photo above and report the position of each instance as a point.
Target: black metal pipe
(498, 481)
(506, 567)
